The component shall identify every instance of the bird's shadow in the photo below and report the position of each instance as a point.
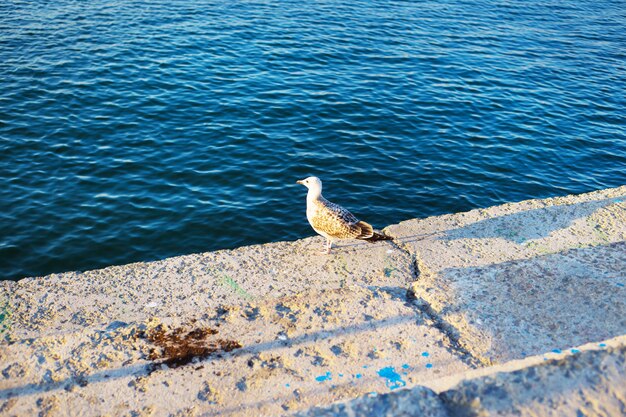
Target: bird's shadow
(347, 247)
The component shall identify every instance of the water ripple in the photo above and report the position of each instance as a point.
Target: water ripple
(135, 130)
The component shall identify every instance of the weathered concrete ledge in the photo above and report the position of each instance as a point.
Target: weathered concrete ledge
(588, 382)
(278, 328)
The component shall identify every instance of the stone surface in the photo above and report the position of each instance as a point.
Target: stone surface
(193, 285)
(588, 383)
(448, 382)
(279, 328)
(263, 329)
(418, 401)
(524, 278)
(312, 348)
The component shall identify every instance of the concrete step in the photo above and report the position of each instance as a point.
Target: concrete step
(524, 278)
(315, 347)
(185, 286)
(279, 328)
(589, 382)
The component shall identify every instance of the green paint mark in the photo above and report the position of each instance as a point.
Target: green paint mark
(5, 319)
(602, 236)
(228, 281)
(389, 268)
(509, 234)
(539, 248)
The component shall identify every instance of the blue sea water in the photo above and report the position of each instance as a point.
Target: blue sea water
(136, 130)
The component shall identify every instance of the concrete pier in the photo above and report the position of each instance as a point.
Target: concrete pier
(518, 308)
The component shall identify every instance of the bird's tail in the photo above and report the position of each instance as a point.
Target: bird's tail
(369, 235)
(378, 236)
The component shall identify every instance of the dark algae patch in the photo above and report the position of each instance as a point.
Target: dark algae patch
(177, 347)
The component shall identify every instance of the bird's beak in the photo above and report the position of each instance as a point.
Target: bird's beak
(299, 182)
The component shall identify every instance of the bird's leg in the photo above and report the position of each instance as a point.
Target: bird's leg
(327, 246)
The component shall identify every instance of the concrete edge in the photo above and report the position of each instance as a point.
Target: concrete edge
(449, 396)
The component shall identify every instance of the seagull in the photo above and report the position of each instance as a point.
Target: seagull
(333, 221)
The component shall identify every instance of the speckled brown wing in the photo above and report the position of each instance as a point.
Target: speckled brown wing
(334, 220)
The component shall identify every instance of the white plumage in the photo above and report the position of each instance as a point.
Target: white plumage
(333, 221)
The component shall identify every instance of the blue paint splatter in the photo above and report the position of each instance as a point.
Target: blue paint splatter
(340, 375)
(287, 385)
(556, 350)
(429, 365)
(323, 378)
(619, 284)
(574, 350)
(602, 345)
(394, 380)
(425, 354)
(365, 366)
(405, 366)
(358, 376)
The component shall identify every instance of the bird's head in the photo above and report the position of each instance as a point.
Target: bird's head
(312, 183)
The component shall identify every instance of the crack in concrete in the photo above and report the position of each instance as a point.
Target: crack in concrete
(424, 307)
